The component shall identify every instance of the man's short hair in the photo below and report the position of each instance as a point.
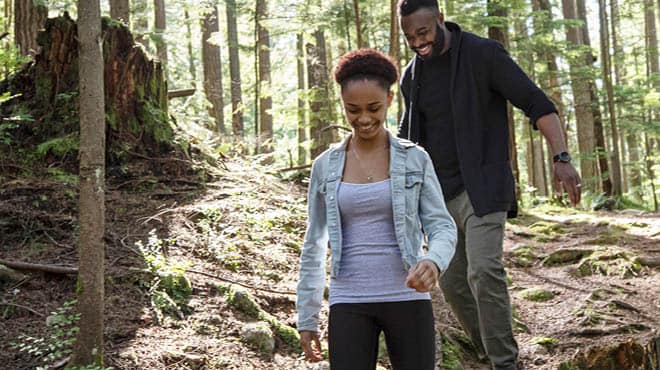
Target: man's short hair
(407, 7)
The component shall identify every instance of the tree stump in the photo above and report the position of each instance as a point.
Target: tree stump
(135, 97)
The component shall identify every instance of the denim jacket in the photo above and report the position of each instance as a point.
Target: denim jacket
(417, 203)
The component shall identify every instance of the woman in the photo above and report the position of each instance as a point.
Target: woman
(370, 196)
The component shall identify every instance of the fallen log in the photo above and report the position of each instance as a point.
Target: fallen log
(53, 269)
(649, 261)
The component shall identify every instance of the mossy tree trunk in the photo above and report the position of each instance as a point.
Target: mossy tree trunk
(29, 19)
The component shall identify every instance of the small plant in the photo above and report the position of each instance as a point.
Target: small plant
(170, 288)
(57, 344)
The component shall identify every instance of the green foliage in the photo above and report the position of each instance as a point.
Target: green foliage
(11, 60)
(58, 342)
(544, 341)
(59, 146)
(170, 289)
(537, 295)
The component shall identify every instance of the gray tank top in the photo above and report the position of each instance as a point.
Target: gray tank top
(371, 269)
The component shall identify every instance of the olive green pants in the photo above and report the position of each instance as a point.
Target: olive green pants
(474, 284)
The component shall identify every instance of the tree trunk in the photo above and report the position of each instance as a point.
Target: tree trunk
(191, 55)
(501, 34)
(88, 348)
(234, 70)
(7, 20)
(265, 99)
(582, 101)
(212, 66)
(347, 25)
(140, 9)
(395, 51)
(29, 17)
(358, 23)
(653, 69)
(120, 10)
(159, 29)
(320, 131)
(607, 78)
(302, 91)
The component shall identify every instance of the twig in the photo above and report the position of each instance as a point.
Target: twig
(239, 283)
(330, 127)
(54, 269)
(625, 305)
(180, 93)
(4, 34)
(3, 303)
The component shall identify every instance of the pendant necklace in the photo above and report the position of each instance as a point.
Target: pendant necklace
(368, 174)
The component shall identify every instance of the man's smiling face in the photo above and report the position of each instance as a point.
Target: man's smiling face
(420, 29)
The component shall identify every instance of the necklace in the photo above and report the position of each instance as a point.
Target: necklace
(368, 174)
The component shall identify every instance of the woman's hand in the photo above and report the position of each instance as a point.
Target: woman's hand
(311, 345)
(423, 276)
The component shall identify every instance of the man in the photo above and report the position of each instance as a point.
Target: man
(456, 89)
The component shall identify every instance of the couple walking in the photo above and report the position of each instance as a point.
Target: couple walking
(374, 197)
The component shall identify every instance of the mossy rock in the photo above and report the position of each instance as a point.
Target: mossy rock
(548, 228)
(565, 257)
(610, 262)
(258, 336)
(536, 294)
(523, 256)
(176, 285)
(625, 355)
(239, 298)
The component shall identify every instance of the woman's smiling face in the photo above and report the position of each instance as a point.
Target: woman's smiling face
(365, 107)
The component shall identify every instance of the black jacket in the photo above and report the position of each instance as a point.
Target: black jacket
(483, 78)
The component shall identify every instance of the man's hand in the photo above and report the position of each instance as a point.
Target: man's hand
(423, 276)
(564, 176)
(311, 345)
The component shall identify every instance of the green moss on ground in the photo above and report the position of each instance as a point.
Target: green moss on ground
(536, 295)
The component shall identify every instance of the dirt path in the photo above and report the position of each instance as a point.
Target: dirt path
(246, 228)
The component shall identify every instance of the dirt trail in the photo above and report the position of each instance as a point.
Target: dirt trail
(246, 227)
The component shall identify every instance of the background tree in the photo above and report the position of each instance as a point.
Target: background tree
(29, 18)
(160, 23)
(234, 70)
(212, 65)
(88, 349)
(141, 26)
(302, 89)
(265, 99)
(121, 10)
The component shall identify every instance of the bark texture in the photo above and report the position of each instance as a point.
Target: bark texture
(88, 348)
(213, 67)
(120, 10)
(29, 19)
(265, 99)
(234, 70)
(319, 120)
(302, 91)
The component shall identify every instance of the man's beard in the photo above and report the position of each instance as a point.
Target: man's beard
(438, 43)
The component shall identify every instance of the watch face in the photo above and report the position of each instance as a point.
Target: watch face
(564, 157)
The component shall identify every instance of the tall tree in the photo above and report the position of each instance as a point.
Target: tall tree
(159, 30)
(141, 27)
(653, 69)
(191, 55)
(88, 349)
(497, 11)
(317, 71)
(395, 50)
(7, 20)
(234, 70)
(212, 65)
(120, 10)
(601, 147)
(29, 18)
(607, 79)
(265, 99)
(358, 23)
(302, 122)
(582, 99)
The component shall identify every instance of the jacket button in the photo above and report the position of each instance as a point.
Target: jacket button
(332, 197)
(332, 174)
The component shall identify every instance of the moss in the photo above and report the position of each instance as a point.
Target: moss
(452, 353)
(547, 228)
(176, 285)
(523, 256)
(59, 146)
(565, 256)
(544, 341)
(610, 262)
(537, 295)
(242, 300)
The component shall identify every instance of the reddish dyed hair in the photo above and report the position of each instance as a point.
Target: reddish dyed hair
(366, 64)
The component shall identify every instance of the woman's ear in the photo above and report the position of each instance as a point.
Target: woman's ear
(390, 96)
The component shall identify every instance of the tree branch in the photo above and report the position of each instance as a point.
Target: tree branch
(53, 269)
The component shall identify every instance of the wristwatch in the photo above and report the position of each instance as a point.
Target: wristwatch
(563, 157)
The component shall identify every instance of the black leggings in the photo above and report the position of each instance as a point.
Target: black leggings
(409, 333)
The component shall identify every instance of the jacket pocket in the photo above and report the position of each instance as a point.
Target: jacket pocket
(413, 187)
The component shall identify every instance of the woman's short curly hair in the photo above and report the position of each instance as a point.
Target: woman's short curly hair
(366, 64)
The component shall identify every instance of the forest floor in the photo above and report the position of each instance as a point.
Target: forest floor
(580, 281)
